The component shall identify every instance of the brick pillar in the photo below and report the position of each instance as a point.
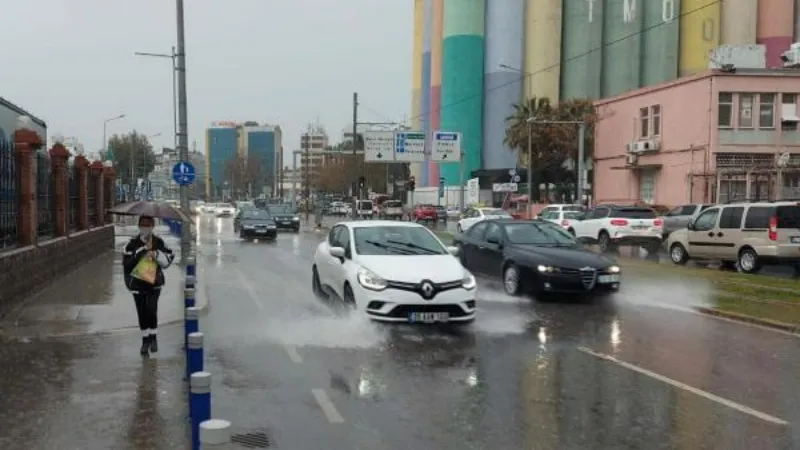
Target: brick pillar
(26, 143)
(96, 169)
(58, 165)
(81, 167)
(109, 178)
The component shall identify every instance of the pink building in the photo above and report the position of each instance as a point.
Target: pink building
(712, 137)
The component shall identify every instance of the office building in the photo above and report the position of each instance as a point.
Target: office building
(312, 143)
(262, 144)
(470, 56)
(222, 145)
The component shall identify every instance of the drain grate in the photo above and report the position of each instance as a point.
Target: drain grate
(257, 439)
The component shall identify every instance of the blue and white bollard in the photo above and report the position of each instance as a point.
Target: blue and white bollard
(191, 271)
(190, 325)
(194, 354)
(215, 434)
(199, 403)
(188, 298)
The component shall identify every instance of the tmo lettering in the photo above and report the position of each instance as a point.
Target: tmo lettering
(629, 10)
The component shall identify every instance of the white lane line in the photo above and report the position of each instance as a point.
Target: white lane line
(327, 406)
(723, 401)
(293, 355)
(251, 290)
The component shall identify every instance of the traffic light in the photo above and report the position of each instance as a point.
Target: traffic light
(361, 182)
(412, 184)
(441, 187)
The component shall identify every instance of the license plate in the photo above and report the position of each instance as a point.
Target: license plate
(428, 317)
(261, 231)
(286, 222)
(794, 239)
(605, 279)
(639, 227)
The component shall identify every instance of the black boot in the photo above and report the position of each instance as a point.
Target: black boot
(145, 350)
(153, 343)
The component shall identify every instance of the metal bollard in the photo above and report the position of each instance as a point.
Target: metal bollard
(199, 403)
(191, 271)
(190, 325)
(194, 354)
(215, 434)
(188, 298)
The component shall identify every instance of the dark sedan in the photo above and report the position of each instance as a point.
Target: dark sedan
(535, 256)
(257, 224)
(285, 216)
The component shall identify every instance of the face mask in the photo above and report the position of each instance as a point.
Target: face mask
(145, 231)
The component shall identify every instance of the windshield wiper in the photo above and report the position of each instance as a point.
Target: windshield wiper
(405, 251)
(415, 247)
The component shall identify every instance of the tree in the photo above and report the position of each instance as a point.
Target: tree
(552, 144)
(133, 156)
(336, 174)
(244, 174)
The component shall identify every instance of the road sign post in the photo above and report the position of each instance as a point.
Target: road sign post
(409, 146)
(379, 146)
(446, 146)
(183, 173)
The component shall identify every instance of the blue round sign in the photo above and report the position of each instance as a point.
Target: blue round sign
(183, 173)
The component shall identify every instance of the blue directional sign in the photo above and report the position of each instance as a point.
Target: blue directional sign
(183, 173)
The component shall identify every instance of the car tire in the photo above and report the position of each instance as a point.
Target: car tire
(316, 285)
(512, 280)
(748, 261)
(349, 298)
(604, 242)
(571, 231)
(678, 254)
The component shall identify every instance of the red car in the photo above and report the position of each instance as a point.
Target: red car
(423, 213)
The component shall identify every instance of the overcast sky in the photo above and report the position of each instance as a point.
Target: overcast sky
(286, 62)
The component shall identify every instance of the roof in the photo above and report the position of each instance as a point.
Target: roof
(22, 112)
(379, 223)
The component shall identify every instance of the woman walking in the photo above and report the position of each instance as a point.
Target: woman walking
(144, 260)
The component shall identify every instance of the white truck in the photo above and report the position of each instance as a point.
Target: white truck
(610, 226)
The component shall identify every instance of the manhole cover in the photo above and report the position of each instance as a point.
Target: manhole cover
(257, 439)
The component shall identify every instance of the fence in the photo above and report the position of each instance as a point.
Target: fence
(8, 195)
(72, 198)
(91, 198)
(44, 199)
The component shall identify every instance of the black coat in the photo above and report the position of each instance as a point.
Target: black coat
(135, 250)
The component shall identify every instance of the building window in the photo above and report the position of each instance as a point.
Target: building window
(655, 119)
(725, 110)
(766, 111)
(745, 110)
(644, 121)
(789, 112)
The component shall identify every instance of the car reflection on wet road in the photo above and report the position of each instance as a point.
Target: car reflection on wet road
(638, 371)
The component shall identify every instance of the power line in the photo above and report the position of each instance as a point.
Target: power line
(587, 53)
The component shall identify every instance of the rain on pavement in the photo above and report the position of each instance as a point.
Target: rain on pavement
(639, 371)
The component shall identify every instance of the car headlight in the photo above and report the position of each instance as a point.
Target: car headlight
(249, 227)
(296, 219)
(368, 280)
(614, 269)
(468, 282)
(545, 269)
(270, 227)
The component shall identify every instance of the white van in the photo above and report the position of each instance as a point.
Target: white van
(364, 209)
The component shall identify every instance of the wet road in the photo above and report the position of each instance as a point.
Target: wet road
(640, 371)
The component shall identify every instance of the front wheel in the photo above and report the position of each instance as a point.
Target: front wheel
(511, 280)
(349, 298)
(604, 242)
(316, 285)
(748, 261)
(678, 254)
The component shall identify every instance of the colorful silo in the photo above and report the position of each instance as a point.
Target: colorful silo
(542, 48)
(775, 28)
(462, 81)
(427, 21)
(416, 77)
(437, 22)
(699, 34)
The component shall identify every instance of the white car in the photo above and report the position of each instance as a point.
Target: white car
(474, 215)
(224, 210)
(395, 272)
(566, 219)
(610, 226)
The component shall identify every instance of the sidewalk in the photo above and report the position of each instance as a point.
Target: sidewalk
(94, 299)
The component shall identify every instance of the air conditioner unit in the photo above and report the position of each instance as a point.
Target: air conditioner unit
(641, 146)
(630, 147)
(633, 159)
(653, 144)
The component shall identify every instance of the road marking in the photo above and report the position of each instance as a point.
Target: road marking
(250, 289)
(293, 355)
(723, 401)
(327, 406)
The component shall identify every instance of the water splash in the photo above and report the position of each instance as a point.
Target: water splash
(354, 331)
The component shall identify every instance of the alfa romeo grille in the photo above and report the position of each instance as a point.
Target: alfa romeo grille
(588, 278)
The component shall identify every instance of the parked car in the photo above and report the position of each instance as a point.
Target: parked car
(391, 210)
(535, 256)
(441, 213)
(424, 213)
(745, 236)
(558, 208)
(610, 226)
(285, 217)
(394, 272)
(680, 217)
(364, 209)
(563, 218)
(474, 215)
(257, 223)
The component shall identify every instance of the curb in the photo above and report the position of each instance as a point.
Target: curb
(789, 328)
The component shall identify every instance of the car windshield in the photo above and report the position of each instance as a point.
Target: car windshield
(396, 240)
(255, 214)
(532, 233)
(281, 209)
(393, 204)
(496, 212)
(572, 208)
(572, 214)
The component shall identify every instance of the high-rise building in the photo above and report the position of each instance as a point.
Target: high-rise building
(222, 145)
(473, 59)
(262, 143)
(312, 143)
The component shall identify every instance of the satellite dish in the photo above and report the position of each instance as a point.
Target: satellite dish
(783, 159)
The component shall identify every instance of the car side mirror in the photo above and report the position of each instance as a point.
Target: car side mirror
(690, 225)
(337, 252)
(452, 250)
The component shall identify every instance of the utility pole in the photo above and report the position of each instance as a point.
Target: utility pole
(308, 175)
(354, 168)
(183, 133)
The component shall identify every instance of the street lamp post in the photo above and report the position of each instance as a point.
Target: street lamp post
(105, 125)
(171, 57)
